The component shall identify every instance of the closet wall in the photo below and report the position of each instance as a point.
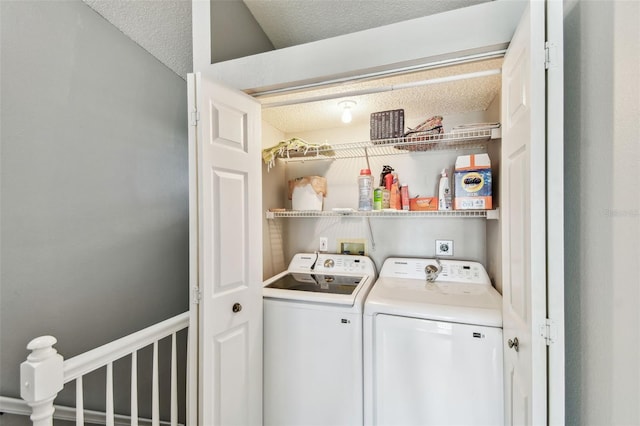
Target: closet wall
(414, 237)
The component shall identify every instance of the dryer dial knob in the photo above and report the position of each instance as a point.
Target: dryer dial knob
(329, 263)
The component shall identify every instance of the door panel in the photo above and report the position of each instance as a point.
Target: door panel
(231, 128)
(518, 294)
(229, 254)
(231, 349)
(520, 398)
(230, 193)
(524, 221)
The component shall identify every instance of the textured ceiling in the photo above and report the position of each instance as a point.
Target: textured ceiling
(161, 27)
(454, 97)
(292, 22)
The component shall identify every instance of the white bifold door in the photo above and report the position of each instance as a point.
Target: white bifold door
(225, 206)
(531, 206)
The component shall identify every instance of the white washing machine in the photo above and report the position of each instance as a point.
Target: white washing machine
(313, 361)
(433, 349)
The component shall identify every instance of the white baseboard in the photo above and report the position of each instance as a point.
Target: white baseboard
(20, 407)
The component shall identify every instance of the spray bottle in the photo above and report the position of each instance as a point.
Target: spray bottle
(444, 192)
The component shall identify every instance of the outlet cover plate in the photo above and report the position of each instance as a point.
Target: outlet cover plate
(444, 247)
(324, 244)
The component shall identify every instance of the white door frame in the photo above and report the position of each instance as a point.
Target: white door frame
(194, 255)
(498, 20)
(555, 211)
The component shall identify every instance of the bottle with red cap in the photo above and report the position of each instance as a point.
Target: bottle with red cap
(365, 190)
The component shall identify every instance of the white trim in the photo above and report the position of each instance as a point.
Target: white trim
(100, 356)
(193, 386)
(555, 214)
(201, 33)
(479, 29)
(17, 406)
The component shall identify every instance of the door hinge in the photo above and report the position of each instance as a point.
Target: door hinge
(195, 117)
(549, 331)
(550, 53)
(197, 295)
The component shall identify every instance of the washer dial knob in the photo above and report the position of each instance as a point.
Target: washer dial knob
(329, 263)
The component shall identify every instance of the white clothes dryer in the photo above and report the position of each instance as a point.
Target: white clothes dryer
(313, 361)
(433, 349)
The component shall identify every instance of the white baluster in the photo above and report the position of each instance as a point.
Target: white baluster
(79, 403)
(191, 397)
(109, 405)
(41, 378)
(155, 404)
(134, 388)
(174, 382)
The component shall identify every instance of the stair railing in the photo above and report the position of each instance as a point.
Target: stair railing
(45, 372)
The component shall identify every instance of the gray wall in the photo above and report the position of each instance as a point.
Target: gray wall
(94, 210)
(235, 32)
(602, 226)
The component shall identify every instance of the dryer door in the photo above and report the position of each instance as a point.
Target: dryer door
(436, 373)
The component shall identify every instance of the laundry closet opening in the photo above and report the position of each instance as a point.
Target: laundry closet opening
(464, 93)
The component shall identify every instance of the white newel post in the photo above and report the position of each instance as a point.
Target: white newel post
(41, 378)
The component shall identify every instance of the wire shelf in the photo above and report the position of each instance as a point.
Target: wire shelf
(467, 139)
(378, 213)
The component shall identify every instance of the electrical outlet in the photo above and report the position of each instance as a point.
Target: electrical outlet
(324, 244)
(444, 248)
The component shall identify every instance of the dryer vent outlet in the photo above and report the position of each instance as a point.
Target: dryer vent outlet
(444, 247)
(356, 246)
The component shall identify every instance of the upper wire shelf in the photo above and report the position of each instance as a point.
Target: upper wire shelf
(466, 139)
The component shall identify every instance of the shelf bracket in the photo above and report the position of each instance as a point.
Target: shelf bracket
(373, 243)
(366, 155)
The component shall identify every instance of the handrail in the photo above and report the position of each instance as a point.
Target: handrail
(45, 372)
(89, 361)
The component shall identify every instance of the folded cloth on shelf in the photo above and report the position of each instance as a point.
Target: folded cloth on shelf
(475, 126)
(294, 147)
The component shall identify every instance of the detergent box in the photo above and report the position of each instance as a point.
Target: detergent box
(472, 176)
(423, 204)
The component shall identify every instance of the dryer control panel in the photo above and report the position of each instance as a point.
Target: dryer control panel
(447, 270)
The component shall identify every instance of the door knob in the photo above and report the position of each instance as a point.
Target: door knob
(513, 344)
(236, 307)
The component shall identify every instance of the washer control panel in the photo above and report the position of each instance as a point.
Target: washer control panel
(444, 270)
(324, 263)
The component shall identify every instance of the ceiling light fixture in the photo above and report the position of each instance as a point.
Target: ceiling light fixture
(346, 110)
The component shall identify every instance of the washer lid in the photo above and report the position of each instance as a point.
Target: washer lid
(320, 288)
(478, 304)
